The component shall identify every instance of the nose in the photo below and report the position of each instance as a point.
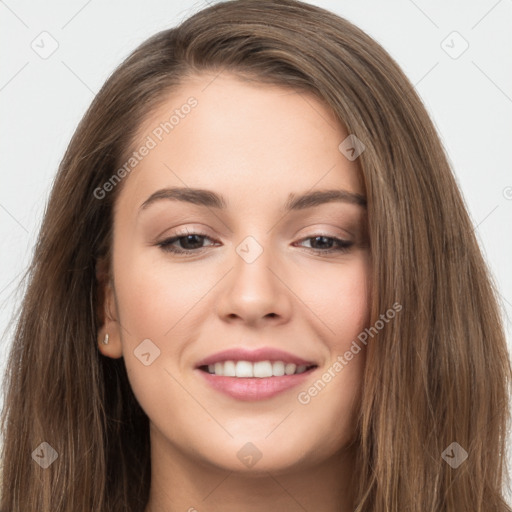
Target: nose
(255, 292)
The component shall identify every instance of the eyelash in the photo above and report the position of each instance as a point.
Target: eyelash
(165, 245)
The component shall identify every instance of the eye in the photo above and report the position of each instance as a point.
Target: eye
(328, 244)
(193, 243)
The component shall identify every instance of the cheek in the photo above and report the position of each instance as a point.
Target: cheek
(154, 300)
(341, 299)
(342, 302)
(332, 399)
(152, 295)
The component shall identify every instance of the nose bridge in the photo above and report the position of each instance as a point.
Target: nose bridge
(253, 291)
(250, 249)
(252, 262)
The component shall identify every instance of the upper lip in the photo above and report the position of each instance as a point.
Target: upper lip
(261, 354)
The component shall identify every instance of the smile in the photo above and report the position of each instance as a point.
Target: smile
(258, 369)
(247, 387)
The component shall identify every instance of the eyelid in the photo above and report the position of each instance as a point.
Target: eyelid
(331, 231)
(189, 229)
(200, 232)
(341, 245)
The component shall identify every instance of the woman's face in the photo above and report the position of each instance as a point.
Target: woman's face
(260, 270)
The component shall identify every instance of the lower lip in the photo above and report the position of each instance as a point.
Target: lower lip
(247, 388)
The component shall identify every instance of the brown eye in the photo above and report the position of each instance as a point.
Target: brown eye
(190, 243)
(322, 244)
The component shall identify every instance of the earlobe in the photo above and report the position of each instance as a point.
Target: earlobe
(110, 345)
(109, 334)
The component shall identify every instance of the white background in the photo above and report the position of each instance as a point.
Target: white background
(42, 100)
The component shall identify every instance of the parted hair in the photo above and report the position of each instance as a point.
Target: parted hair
(439, 373)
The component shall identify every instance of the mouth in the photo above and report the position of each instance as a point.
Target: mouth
(258, 369)
(254, 374)
(261, 380)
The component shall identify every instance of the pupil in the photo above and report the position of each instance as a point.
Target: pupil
(187, 240)
(326, 240)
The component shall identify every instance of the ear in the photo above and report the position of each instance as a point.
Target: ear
(107, 313)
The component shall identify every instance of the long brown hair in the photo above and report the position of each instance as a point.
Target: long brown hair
(438, 374)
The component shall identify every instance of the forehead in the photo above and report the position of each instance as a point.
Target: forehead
(240, 138)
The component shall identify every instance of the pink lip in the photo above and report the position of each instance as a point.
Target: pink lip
(250, 389)
(261, 354)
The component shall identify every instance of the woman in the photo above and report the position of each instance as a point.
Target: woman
(256, 287)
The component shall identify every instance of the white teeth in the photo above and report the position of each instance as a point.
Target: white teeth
(289, 369)
(259, 369)
(229, 369)
(278, 368)
(219, 369)
(243, 369)
(262, 369)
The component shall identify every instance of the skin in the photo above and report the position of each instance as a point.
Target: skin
(254, 144)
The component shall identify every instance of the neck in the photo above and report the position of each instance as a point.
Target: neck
(182, 484)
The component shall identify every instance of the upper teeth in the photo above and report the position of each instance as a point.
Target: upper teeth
(259, 369)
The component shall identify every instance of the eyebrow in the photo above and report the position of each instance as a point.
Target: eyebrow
(211, 199)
